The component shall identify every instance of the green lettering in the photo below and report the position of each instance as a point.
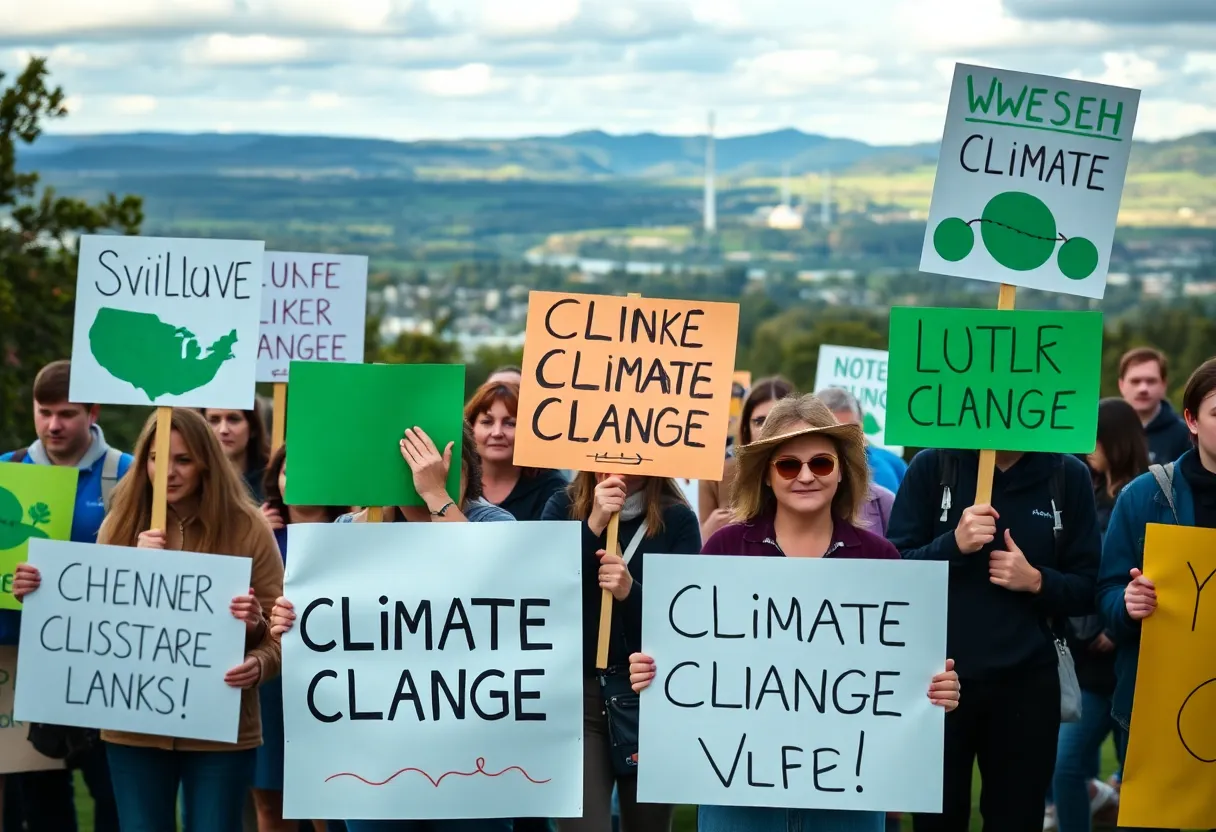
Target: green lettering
(1116, 116)
(1035, 102)
(1084, 110)
(1061, 99)
(1004, 105)
(978, 102)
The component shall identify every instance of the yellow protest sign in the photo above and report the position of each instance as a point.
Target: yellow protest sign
(626, 385)
(1169, 780)
(741, 382)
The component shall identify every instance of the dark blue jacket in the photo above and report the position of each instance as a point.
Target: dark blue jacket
(1138, 505)
(993, 632)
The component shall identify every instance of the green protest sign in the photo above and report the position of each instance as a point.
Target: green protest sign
(35, 501)
(987, 378)
(345, 423)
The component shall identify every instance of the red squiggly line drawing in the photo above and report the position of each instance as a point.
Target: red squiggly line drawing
(481, 769)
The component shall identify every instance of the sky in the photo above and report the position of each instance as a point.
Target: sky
(874, 70)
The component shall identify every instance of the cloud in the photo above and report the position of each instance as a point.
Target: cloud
(877, 70)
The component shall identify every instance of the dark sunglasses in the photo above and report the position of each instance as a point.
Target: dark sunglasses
(820, 465)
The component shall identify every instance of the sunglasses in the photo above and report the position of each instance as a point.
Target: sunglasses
(789, 467)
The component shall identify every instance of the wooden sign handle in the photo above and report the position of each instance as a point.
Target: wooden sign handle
(375, 514)
(614, 530)
(278, 417)
(983, 485)
(160, 482)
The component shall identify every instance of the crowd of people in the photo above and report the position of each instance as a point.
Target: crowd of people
(1053, 562)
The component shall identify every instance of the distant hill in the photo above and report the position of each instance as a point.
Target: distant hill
(589, 154)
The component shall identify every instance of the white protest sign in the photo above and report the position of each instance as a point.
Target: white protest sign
(793, 682)
(1029, 180)
(131, 639)
(314, 308)
(164, 321)
(16, 752)
(863, 373)
(434, 671)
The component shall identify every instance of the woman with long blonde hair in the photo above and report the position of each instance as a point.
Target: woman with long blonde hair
(798, 492)
(209, 511)
(654, 517)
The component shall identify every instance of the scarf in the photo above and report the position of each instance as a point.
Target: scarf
(635, 507)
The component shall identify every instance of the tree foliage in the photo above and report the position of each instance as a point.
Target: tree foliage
(38, 237)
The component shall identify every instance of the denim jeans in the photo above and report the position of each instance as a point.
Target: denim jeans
(213, 786)
(462, 825)
(753, 819)
(1078, 758)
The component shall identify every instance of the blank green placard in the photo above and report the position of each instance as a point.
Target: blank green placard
(345, 423)
(985, 378)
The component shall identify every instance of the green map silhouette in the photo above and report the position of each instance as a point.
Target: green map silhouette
(153, 356)
(13, 532)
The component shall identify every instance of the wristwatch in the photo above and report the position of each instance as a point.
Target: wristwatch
(443, 510)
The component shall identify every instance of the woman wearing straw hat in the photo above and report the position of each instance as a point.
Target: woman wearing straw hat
(798, 492)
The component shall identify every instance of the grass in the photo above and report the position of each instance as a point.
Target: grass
(686, 816)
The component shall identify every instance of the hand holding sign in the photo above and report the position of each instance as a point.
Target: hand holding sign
(26, 579)
(282, 617)
(976, 528)
(614, 575)
(151, 539)
(246, 608)
(609, 499)
(1009, 568)
(1140, 597)
(429, 468)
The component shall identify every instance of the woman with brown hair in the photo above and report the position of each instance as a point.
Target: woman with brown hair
(209, 511)
(654, 517)
(798, 491)
(246, 443)
(491, 412)
(713, 498)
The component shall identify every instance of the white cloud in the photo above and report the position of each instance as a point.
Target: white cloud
(877, 70)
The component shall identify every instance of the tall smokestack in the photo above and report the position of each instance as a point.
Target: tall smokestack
(711, 215)
(825, 204)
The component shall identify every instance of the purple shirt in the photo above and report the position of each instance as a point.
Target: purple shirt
(758, 538)
(876, 510)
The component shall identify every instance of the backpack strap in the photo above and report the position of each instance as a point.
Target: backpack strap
(1164, 475)
(109, 475)
(947, 467)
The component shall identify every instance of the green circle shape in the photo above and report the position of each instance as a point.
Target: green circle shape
(1077, 258)
(1019, 230)
(953, 239)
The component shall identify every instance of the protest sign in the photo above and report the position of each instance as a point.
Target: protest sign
(1168, 779)
(166, 321)
(741, 383)
(16, 753)
(863, 373)
(443, 678)
(1029, 179)
(1009, 379)
(36, 501)
(314, 308)
(131, 639)
(793, 682)
(626, 385)
(374, 404)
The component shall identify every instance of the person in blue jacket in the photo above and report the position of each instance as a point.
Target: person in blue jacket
(1181, 493)
(68, 435)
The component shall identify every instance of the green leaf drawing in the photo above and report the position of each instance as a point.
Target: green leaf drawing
(870, 425)
(40, 514)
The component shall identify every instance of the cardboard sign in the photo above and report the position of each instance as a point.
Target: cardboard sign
(131, 639)
(1029, 180)
(314, 308)
(16, 753)
(36, 501)
(1014, 380)
(863, 373)
(1168, 780)
(345, 423)
(626, 385)
(793, 682)
(169, 322)
(439, 679)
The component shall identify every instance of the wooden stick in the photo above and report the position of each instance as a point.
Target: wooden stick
(375, 514)
(613, 547)
(983, 485)
(160, 483)
(278, 417)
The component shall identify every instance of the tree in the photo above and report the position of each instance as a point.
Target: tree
(38, 250)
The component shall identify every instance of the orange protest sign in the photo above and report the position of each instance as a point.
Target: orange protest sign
(1168, 779)
(626, 385)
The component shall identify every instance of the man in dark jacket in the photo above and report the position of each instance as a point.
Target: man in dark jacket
(1143, 381)
(1018, 565)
